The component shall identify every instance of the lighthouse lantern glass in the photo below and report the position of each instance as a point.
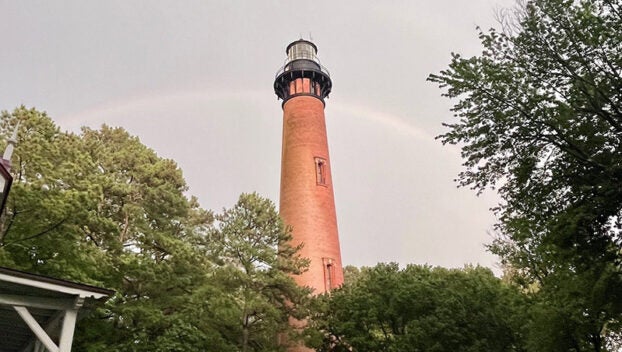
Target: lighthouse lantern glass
(301, 51)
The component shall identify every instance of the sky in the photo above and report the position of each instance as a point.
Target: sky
(193, 80)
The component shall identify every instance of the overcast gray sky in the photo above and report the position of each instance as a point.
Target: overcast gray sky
(193, 79)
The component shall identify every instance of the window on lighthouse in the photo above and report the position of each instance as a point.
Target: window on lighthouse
(329, 274)
(320, 171)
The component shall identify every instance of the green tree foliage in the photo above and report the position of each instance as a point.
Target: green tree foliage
(45, 207)
(540, 117)
(251, 247)
(101, 208)
(419, 309)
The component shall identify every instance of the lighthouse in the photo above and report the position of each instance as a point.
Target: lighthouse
(306, 197)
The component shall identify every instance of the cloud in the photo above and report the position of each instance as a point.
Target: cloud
(145, 105)
(394, 123)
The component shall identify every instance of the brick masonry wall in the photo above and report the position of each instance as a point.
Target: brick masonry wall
(305, 205)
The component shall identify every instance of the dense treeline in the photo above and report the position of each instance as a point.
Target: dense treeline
(419, 308)
(99, 207)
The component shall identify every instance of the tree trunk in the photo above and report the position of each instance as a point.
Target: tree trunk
(597, 341)
(245, 333)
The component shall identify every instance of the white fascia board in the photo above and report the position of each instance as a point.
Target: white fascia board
(51, 287)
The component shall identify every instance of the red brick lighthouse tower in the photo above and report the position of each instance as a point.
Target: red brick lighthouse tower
(307, 202)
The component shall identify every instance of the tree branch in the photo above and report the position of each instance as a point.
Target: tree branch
(48, 230)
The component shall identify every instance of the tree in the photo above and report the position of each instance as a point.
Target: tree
(540, 117)
(153, 238)
(101, 208)
(419, 309)
(47, 200)
(256, 263)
